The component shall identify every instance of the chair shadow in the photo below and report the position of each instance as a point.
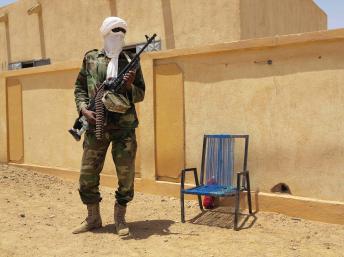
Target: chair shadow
(142, 229)
(223, 217)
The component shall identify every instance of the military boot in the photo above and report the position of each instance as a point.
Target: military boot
(92, 221)
(121, 226)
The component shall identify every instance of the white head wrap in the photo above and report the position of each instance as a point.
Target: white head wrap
(112, 22)
(113, 42)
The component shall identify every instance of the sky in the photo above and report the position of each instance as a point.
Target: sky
(333, 8)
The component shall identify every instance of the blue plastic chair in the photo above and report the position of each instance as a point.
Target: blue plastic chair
(217, 173)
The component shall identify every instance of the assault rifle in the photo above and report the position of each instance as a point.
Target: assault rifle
(114, 84)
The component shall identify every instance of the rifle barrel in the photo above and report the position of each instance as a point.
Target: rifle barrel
(137, 55)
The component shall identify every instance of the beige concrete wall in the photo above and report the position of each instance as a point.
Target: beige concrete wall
(48, 109)
(48, 112)
(15, 121)
(200, 22)
(146, 141)
(172, 21)
(23, 32)
(3, 121)
(3, 48)
(169, 129)
(291, 109)
(143, 17)
(262, 18)
(70, 28)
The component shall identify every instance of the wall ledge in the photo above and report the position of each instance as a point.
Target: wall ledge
(256, 43)
(55, 67)
(251, 44)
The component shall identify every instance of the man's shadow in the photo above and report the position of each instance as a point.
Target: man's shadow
(142, 229)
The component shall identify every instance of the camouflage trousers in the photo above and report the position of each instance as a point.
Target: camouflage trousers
(123, 154)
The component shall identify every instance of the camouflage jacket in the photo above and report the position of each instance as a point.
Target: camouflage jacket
(92, 73)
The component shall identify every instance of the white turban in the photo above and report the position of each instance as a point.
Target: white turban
(113, 42)
(112, 22)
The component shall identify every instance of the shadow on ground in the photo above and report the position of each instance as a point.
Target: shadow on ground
(223, 217)
(142, 229)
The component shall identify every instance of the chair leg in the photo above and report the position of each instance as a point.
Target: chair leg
(249, 192)
(182, 207)
(200, 202)
(237, 204)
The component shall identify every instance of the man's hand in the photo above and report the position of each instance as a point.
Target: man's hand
(129, 78)
(89, 115)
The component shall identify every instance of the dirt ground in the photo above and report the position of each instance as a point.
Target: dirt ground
(38, 212)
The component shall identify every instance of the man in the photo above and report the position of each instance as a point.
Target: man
(119, 128)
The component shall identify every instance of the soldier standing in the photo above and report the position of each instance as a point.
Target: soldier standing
(119, 128)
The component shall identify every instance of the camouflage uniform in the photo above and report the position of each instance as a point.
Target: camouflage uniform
(119, 130)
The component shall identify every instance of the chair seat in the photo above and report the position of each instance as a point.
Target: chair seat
(211, 190)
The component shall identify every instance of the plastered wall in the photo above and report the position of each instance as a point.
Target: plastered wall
(169, 129)
(48, 108)
(23, 31)
(270, 17)
(70, 28)
(3, 48)
(292, 110)
(48, 111)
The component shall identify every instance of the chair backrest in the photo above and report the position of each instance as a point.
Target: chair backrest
(218, 159)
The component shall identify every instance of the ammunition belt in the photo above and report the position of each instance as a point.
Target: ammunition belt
(100, 112)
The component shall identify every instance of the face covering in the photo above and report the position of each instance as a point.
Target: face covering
(113, 42)
(113, 45)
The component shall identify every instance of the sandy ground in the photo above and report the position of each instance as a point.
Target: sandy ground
(38, 212)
